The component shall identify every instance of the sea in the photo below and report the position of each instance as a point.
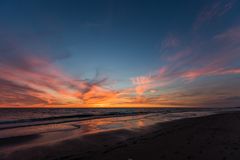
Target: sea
(21, 117)
(28, 128)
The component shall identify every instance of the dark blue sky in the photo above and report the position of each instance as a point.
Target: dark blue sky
(125, 40)
(116, 35)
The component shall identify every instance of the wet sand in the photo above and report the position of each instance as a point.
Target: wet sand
(215, 137)
(211, 137)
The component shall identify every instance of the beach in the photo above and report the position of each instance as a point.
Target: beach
(209, 138)
(214, 136)
(119, 80)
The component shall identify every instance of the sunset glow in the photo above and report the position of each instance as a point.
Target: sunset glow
(54, 67)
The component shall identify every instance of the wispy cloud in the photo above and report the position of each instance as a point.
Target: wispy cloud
(170, 42)
(209, 13)
(29, 80)
(39, 82)
(189, 64)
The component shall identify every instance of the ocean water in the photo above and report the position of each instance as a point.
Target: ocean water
(12, 118)
(28, 128)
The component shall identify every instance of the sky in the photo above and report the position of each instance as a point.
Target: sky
(119, 53)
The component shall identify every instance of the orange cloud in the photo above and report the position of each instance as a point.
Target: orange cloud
(30, 81)
(42, 84)
(142, 83)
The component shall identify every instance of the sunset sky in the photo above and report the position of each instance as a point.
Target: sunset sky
(119, 53)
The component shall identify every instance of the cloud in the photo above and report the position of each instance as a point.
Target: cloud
(221, 95)
(149, 82)
(216, 56)
(209, 13)
(19, 47)
(191, 75)
(142, 80)
(36, 81)
(142, 83)
(16, 95)
(27, 79)
(231, 35)
(170, 42)
(179, 55)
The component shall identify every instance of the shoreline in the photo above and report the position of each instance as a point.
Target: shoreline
(209, 138)
(161, 141)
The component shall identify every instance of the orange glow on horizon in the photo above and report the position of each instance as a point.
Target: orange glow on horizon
(44, 85)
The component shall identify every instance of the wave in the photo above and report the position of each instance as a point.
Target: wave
(61, 119)
(56, 116)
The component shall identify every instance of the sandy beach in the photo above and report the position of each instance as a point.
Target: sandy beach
(210, 137)
(119, 80)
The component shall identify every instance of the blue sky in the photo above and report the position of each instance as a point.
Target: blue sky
(133, 44)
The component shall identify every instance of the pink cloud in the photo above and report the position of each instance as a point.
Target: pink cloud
(194, 74)
(43, 84)
(141, 80)
(195, 61)
(142, 83)
(179, 55)
(231, 35)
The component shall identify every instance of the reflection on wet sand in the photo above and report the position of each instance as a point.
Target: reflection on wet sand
(55, 133)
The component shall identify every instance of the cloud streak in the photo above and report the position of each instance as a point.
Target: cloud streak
(209, 13)
(27, 80)
(39, 83)
(189, 74)
(190, 64)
